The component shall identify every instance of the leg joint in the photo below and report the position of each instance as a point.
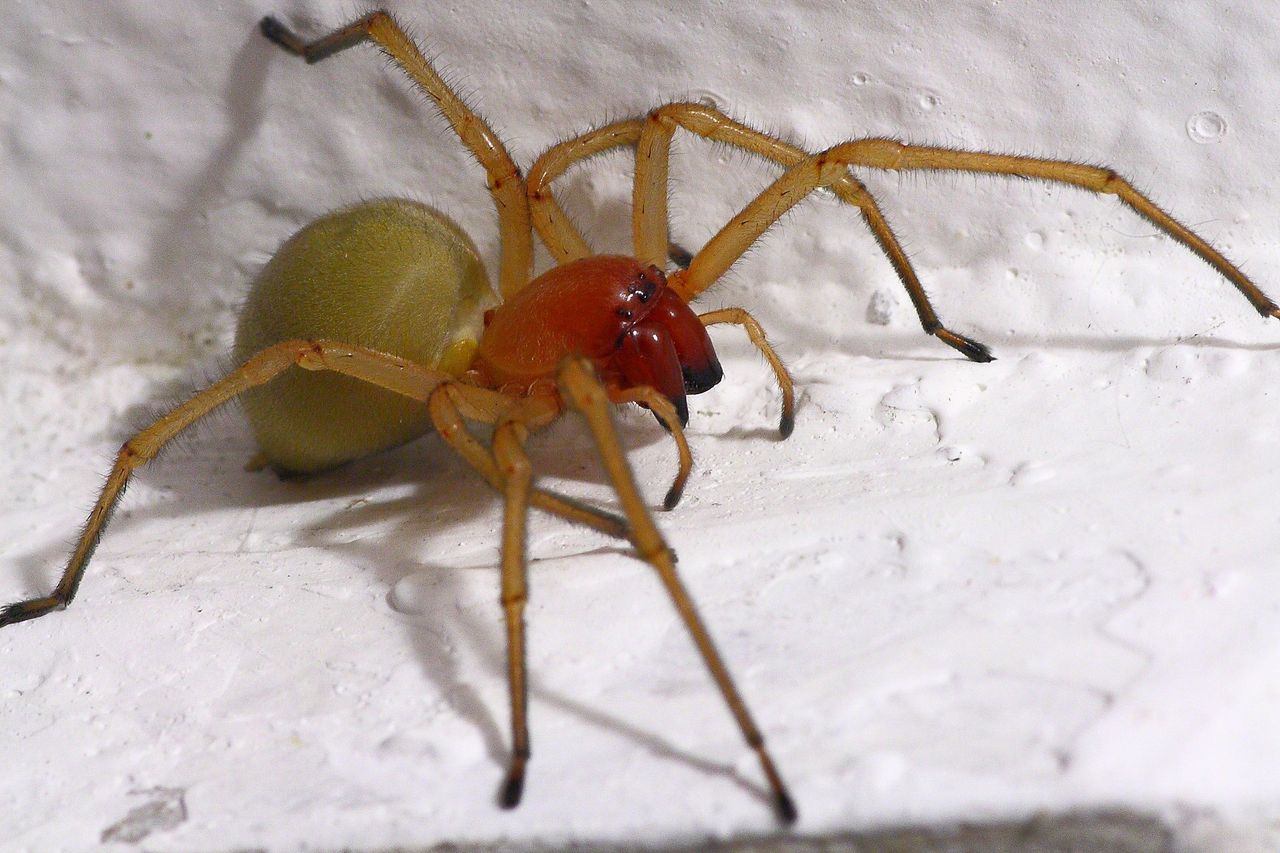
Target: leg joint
(656, 554)
(311, 356)
(662, 116)
(497, 180)
(514, 468)
(1112, 183)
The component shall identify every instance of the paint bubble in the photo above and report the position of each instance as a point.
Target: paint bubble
(860, 79)
(1206, 127)
(927, 101)
(411, 595)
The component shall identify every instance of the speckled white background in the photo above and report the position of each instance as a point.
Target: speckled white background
(959, 591)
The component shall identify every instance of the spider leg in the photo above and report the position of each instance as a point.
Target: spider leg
(829, 167)
(667, 415)
(582, 391)
(649, 208)
(453, 429)
(505, 182)
(508, 450)
(558, 234)
(650, 230)
(739, 317)
(649, 216)
(387, 371)
(509, 471)
(561, 238)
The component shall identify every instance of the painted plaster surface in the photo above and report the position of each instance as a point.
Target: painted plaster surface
(958, 592)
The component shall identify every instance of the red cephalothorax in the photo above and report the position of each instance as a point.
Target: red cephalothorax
(612, 309)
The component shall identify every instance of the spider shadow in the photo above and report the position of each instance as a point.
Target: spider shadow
(243, 95)
(913, 344)
(482, 635)
(390, 492)
(479, 633)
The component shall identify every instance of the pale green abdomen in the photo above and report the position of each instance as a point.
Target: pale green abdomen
(392, 275)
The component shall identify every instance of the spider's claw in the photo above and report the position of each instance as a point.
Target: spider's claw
(1273, 312)
(970, 348)
(513, 785)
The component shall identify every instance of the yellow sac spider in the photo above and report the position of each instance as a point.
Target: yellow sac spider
(382, 306)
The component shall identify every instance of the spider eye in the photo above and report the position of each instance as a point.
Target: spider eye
(625, 313)
(648, 282)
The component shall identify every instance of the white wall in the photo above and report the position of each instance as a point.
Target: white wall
(959, 591)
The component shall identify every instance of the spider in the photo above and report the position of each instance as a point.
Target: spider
(385, 308)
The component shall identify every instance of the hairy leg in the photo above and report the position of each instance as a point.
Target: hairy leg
(387, 371)
(651, 137)
(452, 428)
(828, 168)
(504, 179)
(582, 391)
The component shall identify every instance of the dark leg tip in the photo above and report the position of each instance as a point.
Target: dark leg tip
(11, 615)
(786, 808)
(980, 354)
(787, 424)
(974, 351)
(673, 496)
(273, 29)
(32, 609)
(512, 788)
(278, 34)
(970, 348)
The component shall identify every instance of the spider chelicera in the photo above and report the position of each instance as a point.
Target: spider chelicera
(385, 308)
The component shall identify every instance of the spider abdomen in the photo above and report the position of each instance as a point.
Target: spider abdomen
(613, 309)
(393, 275)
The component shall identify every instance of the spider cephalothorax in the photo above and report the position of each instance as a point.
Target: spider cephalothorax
(612, 309)
(382, 306)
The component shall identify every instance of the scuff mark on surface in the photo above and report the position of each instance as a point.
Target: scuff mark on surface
(166, 809)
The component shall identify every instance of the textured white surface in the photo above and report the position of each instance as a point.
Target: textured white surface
(959, 591)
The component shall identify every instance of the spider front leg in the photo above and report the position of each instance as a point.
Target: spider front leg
(828, 168)
(649, 204)
(651, 137)
(582, 391)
